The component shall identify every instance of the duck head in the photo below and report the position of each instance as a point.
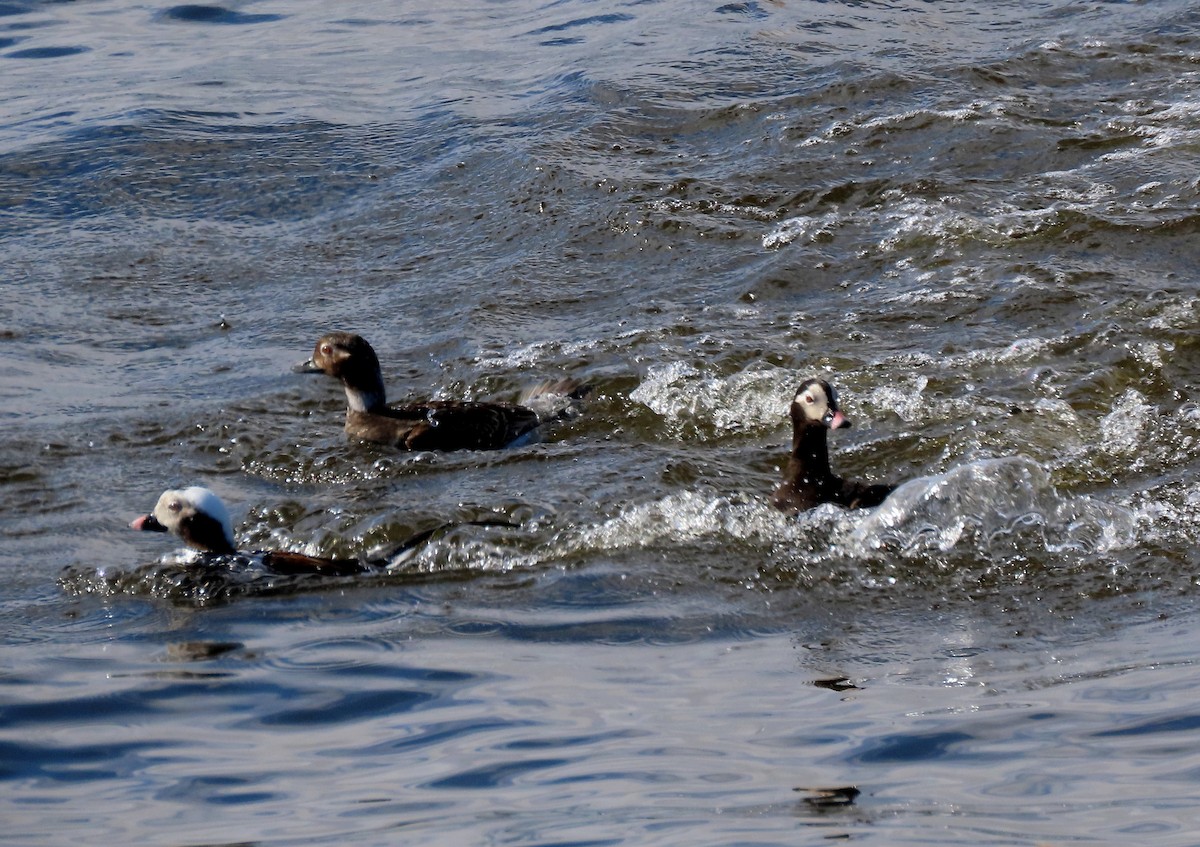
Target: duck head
(815, 402)
(194, 514)
(352, 360)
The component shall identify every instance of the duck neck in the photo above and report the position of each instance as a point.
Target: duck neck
(810, 453)
(364, 400)
(206, 534)
(364, 387)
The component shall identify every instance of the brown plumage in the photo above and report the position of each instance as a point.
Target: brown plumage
(808, 479)
(432, 424)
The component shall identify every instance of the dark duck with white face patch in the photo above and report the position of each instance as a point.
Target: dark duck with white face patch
(434, 424)
(200, 519)
(808, 480)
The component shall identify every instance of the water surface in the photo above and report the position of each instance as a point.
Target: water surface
(977, 221)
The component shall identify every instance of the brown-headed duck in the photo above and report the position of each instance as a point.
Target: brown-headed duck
(434, 424)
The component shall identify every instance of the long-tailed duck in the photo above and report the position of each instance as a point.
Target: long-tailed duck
(434, 424)
(200, 519)
(808, 479)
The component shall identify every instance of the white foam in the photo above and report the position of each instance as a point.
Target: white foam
(802, 228)
(1123, 430)
(989, 511)
(997, 505)
(683, 395)
(686, 516)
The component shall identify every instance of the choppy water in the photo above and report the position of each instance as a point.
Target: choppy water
(978, 220)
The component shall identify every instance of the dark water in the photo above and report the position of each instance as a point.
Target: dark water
(978, 220)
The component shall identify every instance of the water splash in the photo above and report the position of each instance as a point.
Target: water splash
(990, 522)
(682, 518)
(689, 399)
(1123, 430)
(200, 579)
(803, 228)
(971, 524)
(188, 579)
(998, 507)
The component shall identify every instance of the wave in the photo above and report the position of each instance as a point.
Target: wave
(998, 506)
(977, 519)
(990, 520)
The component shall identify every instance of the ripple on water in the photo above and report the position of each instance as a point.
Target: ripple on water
(46, 52)
(210, 14)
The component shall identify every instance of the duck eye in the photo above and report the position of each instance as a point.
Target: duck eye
(326, 349)
(174, 506)
(808, 398)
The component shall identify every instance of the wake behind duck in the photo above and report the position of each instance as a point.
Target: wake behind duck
(217, 569)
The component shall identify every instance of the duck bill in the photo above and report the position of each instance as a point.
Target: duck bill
(147, 523)
(837, 421)
(307, 367)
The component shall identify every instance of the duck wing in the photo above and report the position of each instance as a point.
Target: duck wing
(861, 495)
(294, 564)
(453, 425)
(791, 499)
